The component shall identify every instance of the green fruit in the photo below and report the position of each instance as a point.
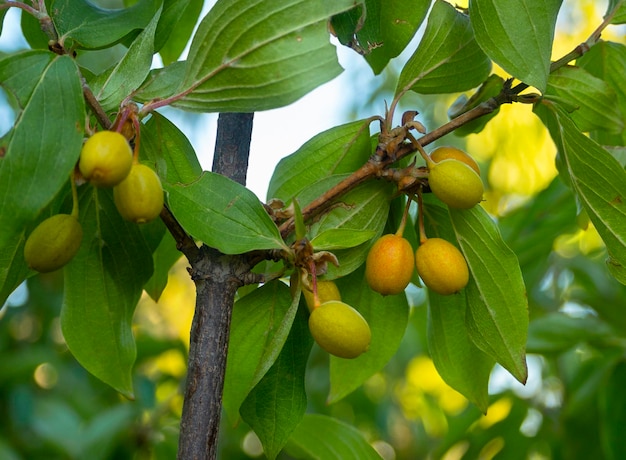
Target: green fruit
(455, 183)
(139, 197)
(326, 290)
(340, 329)
(441, 266)
(106, 159)
(389, 265)
(53, 243)
(447, 153)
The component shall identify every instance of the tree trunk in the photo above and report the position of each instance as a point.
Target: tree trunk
(217, 277)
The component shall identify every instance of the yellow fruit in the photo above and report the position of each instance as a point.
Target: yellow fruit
(139, 197)
(53, 243)
(455, 183)
(326, 290)
(441, 266)
(447, 153)
(106, 159)
(389, 265)
(340, 329)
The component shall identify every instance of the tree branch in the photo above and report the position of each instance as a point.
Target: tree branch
(217, 277)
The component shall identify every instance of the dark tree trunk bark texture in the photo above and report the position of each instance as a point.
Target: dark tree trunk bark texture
(217, 277)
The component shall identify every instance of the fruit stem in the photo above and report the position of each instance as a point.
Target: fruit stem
(420, 216)
(418, 146)
(316, 297)
(405, 216)
(74, 194)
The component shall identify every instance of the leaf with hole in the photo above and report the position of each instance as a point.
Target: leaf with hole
(448, 59)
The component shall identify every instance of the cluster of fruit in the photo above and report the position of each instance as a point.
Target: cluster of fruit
(106, 160)
(454, 178)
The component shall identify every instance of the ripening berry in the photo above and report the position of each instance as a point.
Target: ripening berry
(53, 243)
(455, 183)
(447, 153)
(340, 329)
(441, 266)
(389, 265)
(105, 159)
(139, 197)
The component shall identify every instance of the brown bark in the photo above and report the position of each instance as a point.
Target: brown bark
(217, 277)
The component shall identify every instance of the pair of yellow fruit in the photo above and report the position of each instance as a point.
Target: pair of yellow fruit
(390, 264)
(106, 160)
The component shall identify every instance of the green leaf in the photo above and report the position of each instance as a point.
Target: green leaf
(339, 150)
(164, 255)
(448, 59)
(103, 284)
(593, 99)
(517, 35)
(598, 180)
(276, 405)
(341, 238)
(389, 27)
(13, 269)
(612, 401)
(387, 317)
(117, 83)
(461, 364)
(161, 83)
(605, 60)
(497, 314)
(558, 332)
(168, 148)
(175, 27)
(323, 437)
(620, 14)
(260, 325)
(366, 207)
(257, 55)
(34, 168)
(92, 27)
(223, 214)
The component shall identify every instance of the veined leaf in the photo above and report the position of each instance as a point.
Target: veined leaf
(389, 27)
(276, 405)
(387, 317)
(497, 305)
(117, 83)
(33, 169)
(448, 59)
(92, 27)
(161, 83)
(103, 284)
(223, 214)
(260, 325)
(461, 364)
(320, 436)
(175, 27)
(605, 60)
(598, 180)
(341, 238)
(593, 100)
(517, 35)
(339, 150)
(620, 14)
(168, 148)
(250, 55)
